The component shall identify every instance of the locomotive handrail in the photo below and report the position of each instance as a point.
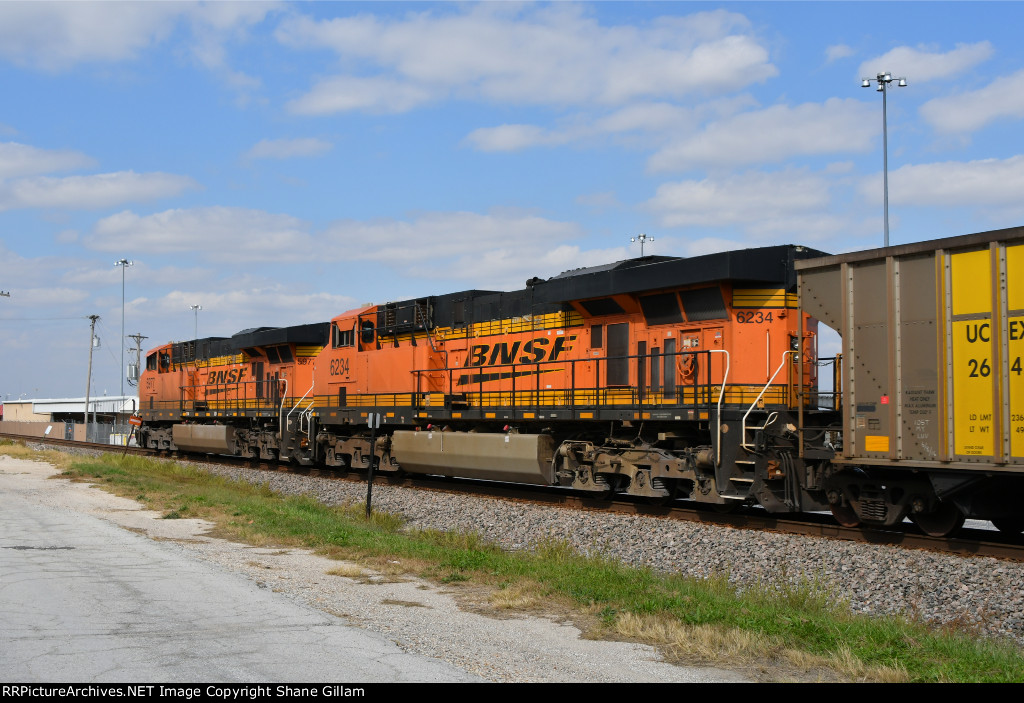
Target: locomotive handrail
(299, 401)
(280, 414)
(721, 395)
(743, 426)
(601, 393)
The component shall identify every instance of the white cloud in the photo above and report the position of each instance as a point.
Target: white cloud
(650, 117)
(759, 202)
(31, 299)
(966, 112)
(288, 148)
(89, 192)
(554, 55)
(509, 267)
(837, 51)
(344, 93)
(226, 312)
(17, 271)
(210, 233)
(54, 36)
(94, 274)
(643, 117)
(648, 122)
(513, 137)
(953, 183)
(774, 134)
(430, 245)
(440, 235)
(496, 251)
(24, 160)
(920, 65)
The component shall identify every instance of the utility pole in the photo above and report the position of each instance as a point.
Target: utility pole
(88, 380)
(138, 354)
(642, 238)
(196, 309)
(124, 264)
(883, 80)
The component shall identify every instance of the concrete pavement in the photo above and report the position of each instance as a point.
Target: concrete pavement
(82, 600)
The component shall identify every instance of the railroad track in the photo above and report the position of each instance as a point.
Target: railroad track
(968, 542)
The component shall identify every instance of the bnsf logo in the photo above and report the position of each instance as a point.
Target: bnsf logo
(231, 376)
(505, 353)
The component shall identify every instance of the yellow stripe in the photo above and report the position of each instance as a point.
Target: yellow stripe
(527, 323)
(763, 298)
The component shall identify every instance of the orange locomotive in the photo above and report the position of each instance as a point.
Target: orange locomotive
(657, 376)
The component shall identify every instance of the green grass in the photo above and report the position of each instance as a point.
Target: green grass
(775, 630)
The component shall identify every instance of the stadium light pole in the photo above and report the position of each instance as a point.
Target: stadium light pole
(196, 309)
(124, 264)
(642, 238)
(884, 79)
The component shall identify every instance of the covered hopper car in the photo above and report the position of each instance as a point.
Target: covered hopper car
(660, 377)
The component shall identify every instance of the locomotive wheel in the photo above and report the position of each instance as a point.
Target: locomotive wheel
(673, 491)
(845, 515)
(614, 484)
(1009, 525)
(943, 521)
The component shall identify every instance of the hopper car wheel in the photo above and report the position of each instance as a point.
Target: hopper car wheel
(845, 515)
(945, 520)
(1009, 525)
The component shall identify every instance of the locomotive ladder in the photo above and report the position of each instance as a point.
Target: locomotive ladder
(746, 444)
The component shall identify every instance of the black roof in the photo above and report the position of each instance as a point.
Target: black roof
(764, 266)
(314, 333)
(212, 347)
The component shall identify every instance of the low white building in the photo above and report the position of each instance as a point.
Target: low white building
(65, 417)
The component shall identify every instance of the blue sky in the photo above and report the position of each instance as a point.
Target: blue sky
(281, 163)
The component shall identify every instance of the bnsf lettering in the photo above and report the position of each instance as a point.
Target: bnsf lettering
(504, 353)
(231, 376)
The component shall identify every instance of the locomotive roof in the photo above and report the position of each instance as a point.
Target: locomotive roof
(314, 333)
(615, 265)
(212, 347)
(767, 265)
